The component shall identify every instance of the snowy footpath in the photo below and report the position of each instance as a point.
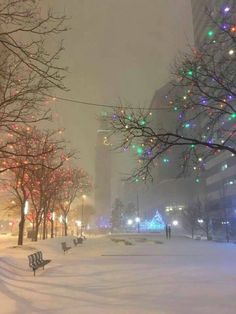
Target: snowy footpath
(122, 274)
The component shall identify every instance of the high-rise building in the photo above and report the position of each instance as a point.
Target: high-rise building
(221, 192)
(168, 191)
(103, 174)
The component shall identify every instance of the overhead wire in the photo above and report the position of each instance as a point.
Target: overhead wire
(105, 105)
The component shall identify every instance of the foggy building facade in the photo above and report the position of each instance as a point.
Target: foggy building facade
(103, 164)
(169, 191)
(221, 191)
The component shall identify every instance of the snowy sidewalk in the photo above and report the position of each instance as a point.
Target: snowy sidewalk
(180, 276)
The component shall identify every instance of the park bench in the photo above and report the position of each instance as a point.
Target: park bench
(65, 247)
(36, 261)
(78, 241)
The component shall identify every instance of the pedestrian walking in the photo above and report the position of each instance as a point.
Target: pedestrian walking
(169, 231)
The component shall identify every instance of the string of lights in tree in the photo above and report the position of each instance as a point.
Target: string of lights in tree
(203, 101)
(37, 171)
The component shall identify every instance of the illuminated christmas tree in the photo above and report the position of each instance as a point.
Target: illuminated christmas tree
(154, 224)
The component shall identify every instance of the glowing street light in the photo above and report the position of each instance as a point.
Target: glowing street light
(78, 223)
(137, 220)
(82, 214)
(129, 222)
(53, 216)
(175, 222)
(26, 208)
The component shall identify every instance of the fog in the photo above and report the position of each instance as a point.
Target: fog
(115, 51)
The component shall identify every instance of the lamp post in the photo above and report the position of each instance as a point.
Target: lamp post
(82, 215)
(137, 220)
(225, 211)
(78, 225)
(138, 212)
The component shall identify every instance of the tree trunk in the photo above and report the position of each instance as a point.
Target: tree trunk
(65, 228)
(226, 225)
(36, 231)
(46, 229)
(192, 230)
(207, 232)
(56, 228)
(33, 231)
(44, 224)
(208, 229)
(52, 228)
(21, 228)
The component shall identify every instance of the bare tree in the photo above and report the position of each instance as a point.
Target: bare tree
(29, 64)
(190, 217)
(44, 178)
(25, 33)
(203, 221)
(203, 101)
(73, 183)
(34, 156)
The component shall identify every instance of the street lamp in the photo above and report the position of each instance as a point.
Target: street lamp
(82, 215)
(137, 220)
(130, 222)
(78, 224)
(26, 208)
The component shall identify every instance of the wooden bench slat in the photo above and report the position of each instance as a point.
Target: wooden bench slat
(36, 261)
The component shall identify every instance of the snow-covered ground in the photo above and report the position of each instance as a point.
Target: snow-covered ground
(179, 276)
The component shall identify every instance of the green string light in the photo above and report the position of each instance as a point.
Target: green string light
(190, 73)
(139, 150)
(210, 33)
(142, 122)
(129, 117)
(233, 115)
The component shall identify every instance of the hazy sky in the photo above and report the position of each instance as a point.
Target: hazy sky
(116, 48)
